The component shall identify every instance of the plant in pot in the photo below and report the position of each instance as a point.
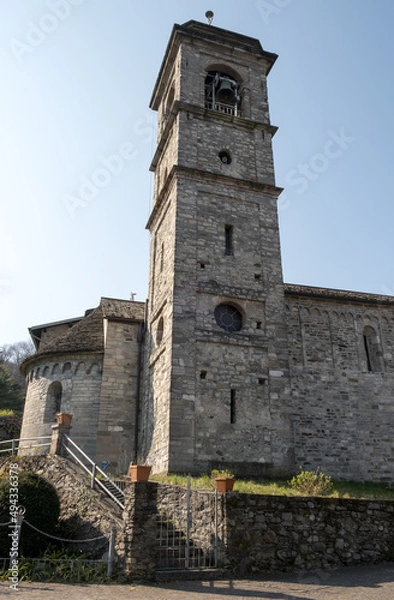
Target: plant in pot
(224, 480)
(64, 418)
(140, 472)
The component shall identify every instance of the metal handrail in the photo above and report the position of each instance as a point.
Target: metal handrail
(14, 446)
(93, 471)
(44, 437)
(26, 448)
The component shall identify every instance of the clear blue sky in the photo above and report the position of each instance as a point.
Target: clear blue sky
(76, 80)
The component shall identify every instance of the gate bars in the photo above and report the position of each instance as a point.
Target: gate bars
(187, 528)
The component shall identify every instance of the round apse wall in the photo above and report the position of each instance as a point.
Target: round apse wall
(228, 318)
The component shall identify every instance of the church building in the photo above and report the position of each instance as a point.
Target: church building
(225, 365)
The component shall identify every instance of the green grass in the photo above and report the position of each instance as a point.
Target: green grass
(204, 482)
(341, 489)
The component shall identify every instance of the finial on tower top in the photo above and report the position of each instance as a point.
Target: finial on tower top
(209, 15)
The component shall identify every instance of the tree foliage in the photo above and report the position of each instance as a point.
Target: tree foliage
(13, 355)
(11, 392)
(12, 383)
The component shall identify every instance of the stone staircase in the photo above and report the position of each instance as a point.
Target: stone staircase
(114, 490)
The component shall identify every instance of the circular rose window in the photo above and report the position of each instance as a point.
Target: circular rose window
(228, 317)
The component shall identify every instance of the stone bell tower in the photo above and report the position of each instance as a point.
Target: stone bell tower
(216, 378)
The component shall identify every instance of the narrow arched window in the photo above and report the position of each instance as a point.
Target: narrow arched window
(170, 100)
(159, 331)
(54, 400)
(162, 257)
(228, 240)
(372, 350)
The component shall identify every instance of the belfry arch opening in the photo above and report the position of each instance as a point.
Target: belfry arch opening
(222, 93)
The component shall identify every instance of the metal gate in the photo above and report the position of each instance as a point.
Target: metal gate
(189, 534)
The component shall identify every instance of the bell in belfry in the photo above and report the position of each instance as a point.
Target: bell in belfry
(225, 93)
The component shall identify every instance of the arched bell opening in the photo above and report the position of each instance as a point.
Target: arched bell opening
(222, 93)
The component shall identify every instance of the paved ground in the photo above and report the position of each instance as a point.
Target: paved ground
(359, 583)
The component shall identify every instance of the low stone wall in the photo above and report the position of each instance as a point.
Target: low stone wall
(282, 533)
(84, 513)
(257, 533)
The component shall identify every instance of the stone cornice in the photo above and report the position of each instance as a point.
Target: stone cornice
(341, 295)
(42, 358)
(199, 174)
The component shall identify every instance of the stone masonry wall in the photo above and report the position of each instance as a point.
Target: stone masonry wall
(256, 533)
(281, 533)
(80, 378)
(119, 395)
(202, 134)
(262, 533)
(195, 427)
(140, 530)
(84, 513)
(155, 426)
(343, 407)
(244, 361)
(199, 57)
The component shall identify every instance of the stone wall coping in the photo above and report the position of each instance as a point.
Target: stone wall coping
(310, 501)
(68, 355)
(334, 294)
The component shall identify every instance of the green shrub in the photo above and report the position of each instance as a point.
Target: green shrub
(222, 473)
(312, 483)
(10, 423)
(42, 509)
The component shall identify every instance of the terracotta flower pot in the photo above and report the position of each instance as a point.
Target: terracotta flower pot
(224, 484)
(140, 472)
(63, 418)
